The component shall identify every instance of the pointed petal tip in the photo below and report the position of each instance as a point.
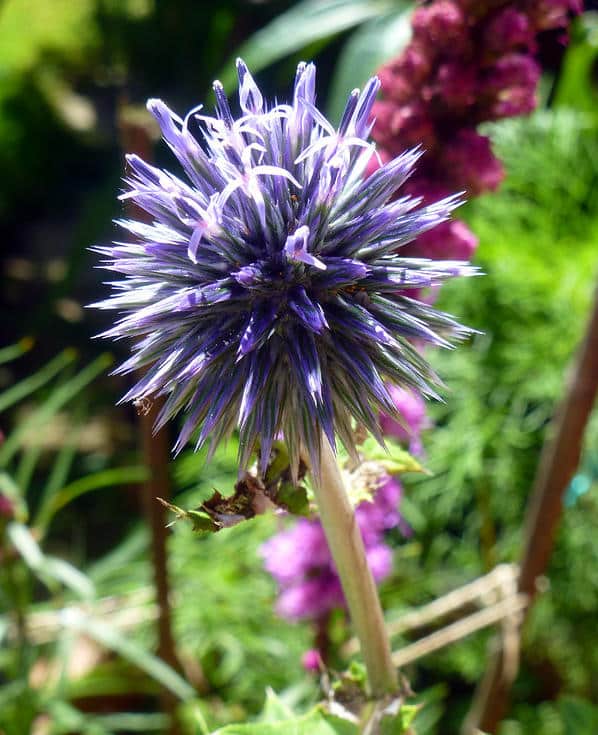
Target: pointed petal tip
(153, 104)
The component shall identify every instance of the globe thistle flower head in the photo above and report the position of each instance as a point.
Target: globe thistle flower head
(268, 292)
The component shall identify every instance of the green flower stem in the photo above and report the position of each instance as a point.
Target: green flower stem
(346, 545)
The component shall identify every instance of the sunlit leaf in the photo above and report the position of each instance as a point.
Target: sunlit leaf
(12, 352)
(399, 724)
(368, 47)
(61, 26)
(577, 87)
(315, 722)
(275, 709)
(34, 382)
(304, 23)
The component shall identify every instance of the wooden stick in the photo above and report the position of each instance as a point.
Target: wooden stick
(497, 579)
(558, 462)
(460, 629)
(136, 137)
(502, 579)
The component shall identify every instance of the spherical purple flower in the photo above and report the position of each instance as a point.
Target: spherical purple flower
(267, 293)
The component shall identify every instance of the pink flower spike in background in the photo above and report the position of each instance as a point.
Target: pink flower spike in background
(311, 660)
(412, 408)
(299, 560)
(467, 63)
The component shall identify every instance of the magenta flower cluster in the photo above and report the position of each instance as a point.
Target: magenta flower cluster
(469, 61)
(299, 560)
(412, 408)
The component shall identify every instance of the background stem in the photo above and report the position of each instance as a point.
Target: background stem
(346, 545)
(135, 130)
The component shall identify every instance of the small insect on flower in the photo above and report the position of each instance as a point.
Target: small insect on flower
(268, 293)
(143, 406)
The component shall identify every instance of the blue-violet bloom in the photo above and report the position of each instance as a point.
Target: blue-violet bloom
(268, 292)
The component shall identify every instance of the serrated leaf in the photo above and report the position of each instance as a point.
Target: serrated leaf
(275, 710)
(315, 722)
(199, 519)
(372, 44)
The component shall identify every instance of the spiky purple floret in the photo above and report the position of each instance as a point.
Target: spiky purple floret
(267, 294)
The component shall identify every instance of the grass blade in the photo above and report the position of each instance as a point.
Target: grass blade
(34, 382)
(128, 649)
(105, 478)
(59, 397)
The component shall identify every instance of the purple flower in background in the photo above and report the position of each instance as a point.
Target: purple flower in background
(411, 406)
(267, 294)
(299, 560)
(449, 241)
(469, 61)
(510, 28)
(312, 660)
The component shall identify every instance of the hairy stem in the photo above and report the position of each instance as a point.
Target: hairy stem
(346, 545)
